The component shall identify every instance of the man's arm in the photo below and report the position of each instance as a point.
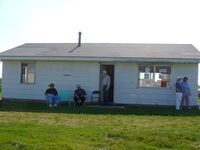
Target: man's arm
(177, 90)
(46, 92)
(177, 87)
(75, 93)
(56, 92)
(108, 84)
(84, 93)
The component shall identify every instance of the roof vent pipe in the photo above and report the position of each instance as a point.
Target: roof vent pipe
(79, 39)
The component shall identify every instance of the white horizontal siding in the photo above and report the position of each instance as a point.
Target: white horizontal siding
(127, 92)
(191, 71)
(84, 73)
(67, 74)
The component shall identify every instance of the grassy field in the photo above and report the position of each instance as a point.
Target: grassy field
(34, 126)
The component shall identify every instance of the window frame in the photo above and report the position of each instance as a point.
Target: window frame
(21, 78)
(154, 71)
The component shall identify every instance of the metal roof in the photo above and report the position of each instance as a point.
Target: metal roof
(104, 50)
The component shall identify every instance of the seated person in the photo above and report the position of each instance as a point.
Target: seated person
(79, 95)
(52, 94)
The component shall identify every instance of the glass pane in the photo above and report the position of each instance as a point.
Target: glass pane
(163, 76)
(146, 75)
(23, 80)
(31, 77)
(31, 67)
(28, 73)
(24, 73)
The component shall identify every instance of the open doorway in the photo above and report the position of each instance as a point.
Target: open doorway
(110, 71)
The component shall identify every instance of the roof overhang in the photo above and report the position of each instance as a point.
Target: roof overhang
(102, 59)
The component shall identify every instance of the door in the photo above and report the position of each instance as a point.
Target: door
(110, 72)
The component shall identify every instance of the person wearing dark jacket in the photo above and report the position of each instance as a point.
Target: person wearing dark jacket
(79, 95)
(52, 94)
(179, 93)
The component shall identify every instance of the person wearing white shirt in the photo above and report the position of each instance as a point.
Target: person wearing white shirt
(105, 87)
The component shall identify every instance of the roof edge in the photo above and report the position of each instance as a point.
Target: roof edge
(100, 59)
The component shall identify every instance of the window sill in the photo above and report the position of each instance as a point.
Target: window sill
(27, 83)
(154, 87)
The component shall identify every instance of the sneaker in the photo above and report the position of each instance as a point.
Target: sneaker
(50, 105)
(55, 105)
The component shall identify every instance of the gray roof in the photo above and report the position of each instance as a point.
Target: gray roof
(104, 50)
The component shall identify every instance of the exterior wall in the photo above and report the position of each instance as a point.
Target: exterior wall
(191, 71)
(64, 74)
(127, 91)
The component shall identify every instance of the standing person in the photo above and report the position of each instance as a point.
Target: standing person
(186, 92)
(51, 94)
(179, 93)
(105, 87)
(79, 95)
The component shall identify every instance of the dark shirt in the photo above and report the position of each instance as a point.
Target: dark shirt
(79, 92)
(51, 91)
(179, 87)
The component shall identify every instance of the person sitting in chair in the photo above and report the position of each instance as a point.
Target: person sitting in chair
(52, 94)
(79, 95)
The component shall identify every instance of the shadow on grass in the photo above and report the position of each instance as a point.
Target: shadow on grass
(43, 108)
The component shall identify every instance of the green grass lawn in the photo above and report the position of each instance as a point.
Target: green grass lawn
(34, 126)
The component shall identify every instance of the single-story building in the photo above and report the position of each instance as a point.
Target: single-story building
(140, 73)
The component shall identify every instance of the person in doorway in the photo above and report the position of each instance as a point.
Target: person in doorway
(186, 92)
(79, 95)
(105, 87)
(179, 93)
(52, 94)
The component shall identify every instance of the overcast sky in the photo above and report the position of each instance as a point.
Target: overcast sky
(107, 21)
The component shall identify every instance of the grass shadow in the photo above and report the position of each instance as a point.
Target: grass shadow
(129, 110)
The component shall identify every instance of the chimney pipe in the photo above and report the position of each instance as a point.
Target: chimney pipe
(79, 39)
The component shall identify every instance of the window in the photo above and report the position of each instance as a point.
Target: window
(154, 76)
(28, 73)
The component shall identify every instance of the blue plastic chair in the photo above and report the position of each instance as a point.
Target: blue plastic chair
(65, 97)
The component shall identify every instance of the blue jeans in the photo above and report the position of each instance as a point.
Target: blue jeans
(50, 98)
(105, 95)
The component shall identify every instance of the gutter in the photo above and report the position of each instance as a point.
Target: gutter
(102, 59)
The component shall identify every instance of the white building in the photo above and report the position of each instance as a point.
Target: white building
(140, 73)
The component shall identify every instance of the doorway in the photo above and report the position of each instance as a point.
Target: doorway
(110, 72)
